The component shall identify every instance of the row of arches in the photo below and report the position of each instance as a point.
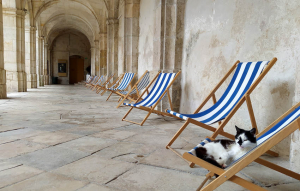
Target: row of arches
(35, 33)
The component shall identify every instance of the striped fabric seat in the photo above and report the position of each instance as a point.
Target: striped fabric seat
(162, 82)
(142, 85)
(100, 80)
(124, 83)
(246, 73)
(89, 79)
(264, 137)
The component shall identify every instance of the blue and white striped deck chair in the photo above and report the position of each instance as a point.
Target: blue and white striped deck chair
(103, 86)
(246, 77)
(124, 83)
(268, 138)
(141, 84)
(101, 79)
(89, 79)
(163, 82)
(113, 84)
(93, 81)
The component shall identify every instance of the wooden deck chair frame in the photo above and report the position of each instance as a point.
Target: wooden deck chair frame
(114, 83)
(128, 96)
(107, 82)
(253, 156)
(91, 82)
(152, 109)
(219, 130)
(86, 82)
(117, 91)
(94, 86)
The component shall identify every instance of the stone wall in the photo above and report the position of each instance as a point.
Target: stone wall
(216, 34)
(68, 45)
(146, 23)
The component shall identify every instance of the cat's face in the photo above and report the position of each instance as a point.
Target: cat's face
(244, 138)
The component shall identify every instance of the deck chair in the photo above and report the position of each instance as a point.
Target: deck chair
(113, 84)
(99, 81)
(162, 85)
(124, 84)
(245, 79)
(272, 135)
(141, 84)
(89, 80)
(100, 87)
(92, 81)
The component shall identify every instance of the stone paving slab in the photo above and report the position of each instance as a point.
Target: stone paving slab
(47, 182)
(19, 147)
(4, 165)
(88, 144)
(53, 138)
(50, 158)
(17, 174)
(95, 187)
(95, 169)
(126, 151)
(18, 134)
(152, 178)
(114, 134)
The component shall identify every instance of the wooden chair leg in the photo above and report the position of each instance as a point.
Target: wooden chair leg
(208, 176)
(127, 113)
(177, 134)
(146, 118)
(109, 96)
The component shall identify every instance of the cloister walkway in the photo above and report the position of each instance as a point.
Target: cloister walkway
(62, 137)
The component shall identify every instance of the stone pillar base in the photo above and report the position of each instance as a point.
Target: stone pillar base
(31, 81)
(22, 82)
(46, 79)
(2, 84)
(41, 80)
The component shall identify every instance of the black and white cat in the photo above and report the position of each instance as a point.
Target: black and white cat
(222, 152)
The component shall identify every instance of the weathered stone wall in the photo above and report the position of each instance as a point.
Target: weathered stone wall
(68, 45)
(217, 33)
(146, 23)
(121, 39)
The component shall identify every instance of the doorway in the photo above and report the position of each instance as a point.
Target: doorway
(76, 69)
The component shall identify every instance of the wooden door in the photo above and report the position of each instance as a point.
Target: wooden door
(76, 70)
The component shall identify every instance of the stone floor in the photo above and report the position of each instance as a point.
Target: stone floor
(69, 138)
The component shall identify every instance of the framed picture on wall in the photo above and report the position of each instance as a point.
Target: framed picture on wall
(62, 68)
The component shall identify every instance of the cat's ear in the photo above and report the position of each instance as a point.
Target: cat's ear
(253, 131)
(238, 130)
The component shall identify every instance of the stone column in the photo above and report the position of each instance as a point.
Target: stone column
(2, 71)
(22, 72)
(46, 76)
(41, 61)
(132, 13)
(32, 77)
(14, 49)
(112, 50)
(97, 58)
(93, 68)
(103, 53)
(295, 142)
(168, 44)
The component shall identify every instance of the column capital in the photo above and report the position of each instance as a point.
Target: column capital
(110, 21)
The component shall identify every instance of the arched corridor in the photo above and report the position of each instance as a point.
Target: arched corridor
(54, 129)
